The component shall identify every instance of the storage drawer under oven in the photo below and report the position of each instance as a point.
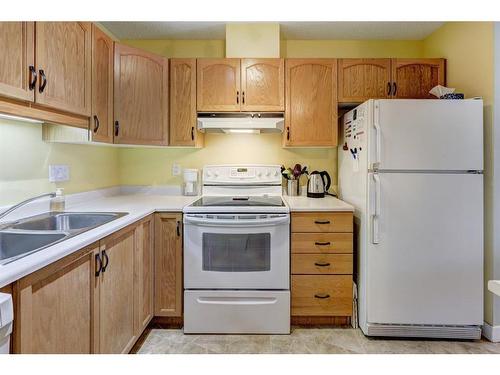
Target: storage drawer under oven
(236, 311)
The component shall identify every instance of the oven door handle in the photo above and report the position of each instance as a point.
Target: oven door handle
(237, 300)
(209, 222)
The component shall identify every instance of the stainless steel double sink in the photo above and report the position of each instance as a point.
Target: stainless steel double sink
(26, 236)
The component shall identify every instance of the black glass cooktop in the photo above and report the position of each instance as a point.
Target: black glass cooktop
(239, 201)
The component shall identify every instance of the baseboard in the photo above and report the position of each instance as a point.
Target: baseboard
(492, 333)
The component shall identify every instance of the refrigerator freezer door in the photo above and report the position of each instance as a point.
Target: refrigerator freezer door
(427, 267)
(427, 135)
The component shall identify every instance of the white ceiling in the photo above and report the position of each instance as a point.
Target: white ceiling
(289, 30)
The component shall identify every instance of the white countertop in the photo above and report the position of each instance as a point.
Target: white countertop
(328, 203)
(138, 203)
(494, 287)
(137, 206)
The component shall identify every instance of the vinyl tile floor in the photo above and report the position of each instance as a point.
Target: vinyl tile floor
(304, 341)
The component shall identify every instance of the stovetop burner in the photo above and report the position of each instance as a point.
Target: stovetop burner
(239, 201)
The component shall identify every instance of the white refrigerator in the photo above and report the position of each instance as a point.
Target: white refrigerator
(413, 169)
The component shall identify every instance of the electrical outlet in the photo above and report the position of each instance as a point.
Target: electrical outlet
(176, 169)
(58, 173)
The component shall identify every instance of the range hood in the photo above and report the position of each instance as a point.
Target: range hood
(241, 122)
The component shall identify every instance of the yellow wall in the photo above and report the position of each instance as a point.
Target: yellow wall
(181, 48)
(468, 48)
(261, 39)
(351, 48)
(24, 161)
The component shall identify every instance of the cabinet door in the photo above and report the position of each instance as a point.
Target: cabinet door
(311, 102)
(141, 97)
(116, 297)
(63, 58)
(262, 85)
(54, 307)
(413, 78)
(102, 86)
(168, 265)
(17, 59)
(183, 130)
(363, 79)
(218, 85)
(143, 274)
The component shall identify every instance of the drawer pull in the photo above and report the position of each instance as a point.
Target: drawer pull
(322, 243)
(322, 264)
(321, 296)
(321, 221)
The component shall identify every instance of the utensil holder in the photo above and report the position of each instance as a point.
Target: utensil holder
(292, 188)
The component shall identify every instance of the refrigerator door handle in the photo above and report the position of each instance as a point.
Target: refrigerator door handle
(378, 136)
(376, 213)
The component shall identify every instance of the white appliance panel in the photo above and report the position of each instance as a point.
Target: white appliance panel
(428, 263)
(215, 258)
(427, 134)
(234, 311)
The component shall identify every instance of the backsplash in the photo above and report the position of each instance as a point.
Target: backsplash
(25, 158)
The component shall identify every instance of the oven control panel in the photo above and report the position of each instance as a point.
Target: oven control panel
(241, 174)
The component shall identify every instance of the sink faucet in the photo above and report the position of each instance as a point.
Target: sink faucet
(15, 207)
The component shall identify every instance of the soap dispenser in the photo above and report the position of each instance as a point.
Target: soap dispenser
(57, 204)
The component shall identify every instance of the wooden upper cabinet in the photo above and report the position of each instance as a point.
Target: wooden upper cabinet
(17, 60)
(168, 265)
(102, 86)
(262, 85)
(117, 331)
(63, 58)
(413, 78)
(140, 97)
(218, 85)
(183, 131)
(311, 102)
(54, 307)
(363, 79)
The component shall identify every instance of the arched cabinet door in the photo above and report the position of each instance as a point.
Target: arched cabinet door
(262, 85)
(218, 83)
(311, 103)
(413, 78)
(140, 97)
(363, 79)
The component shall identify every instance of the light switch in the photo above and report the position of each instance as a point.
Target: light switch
(58, 173)
(176, 169)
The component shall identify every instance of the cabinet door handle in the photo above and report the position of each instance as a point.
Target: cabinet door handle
(43, 81)
(33, 78)
(321, 296)
(243, 97)
(321, 221)
(237, 97)
(287, 133)
(192, 133)
(326, 264)
(394, 88)
(322, 243)
(388, 88)
(98, 262)
(106, 258)
(117, 128)
(96, 123)
(178, 228)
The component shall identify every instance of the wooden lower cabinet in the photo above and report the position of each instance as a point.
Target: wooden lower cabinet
(54, 307)
(115, 295)
(168, 265)
(322, 267)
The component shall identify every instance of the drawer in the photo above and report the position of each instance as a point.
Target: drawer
(322, 264)
(322, 295)
(322, 222)
(321, 243)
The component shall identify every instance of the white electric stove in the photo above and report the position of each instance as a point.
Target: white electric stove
(237, 253)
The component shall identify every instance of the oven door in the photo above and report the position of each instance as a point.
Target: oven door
(238, 251)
